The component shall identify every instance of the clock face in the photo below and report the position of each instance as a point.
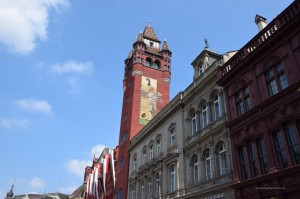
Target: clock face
(149, 98)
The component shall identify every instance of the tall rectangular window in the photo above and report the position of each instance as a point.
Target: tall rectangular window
(151, 152)
(243, 164)
(263, 155)
(172, 138)
(157, 185)
(144, 156)
(142, 190)
(280, 150)
(204, 115)
(243, 101)
(293, 144)
(158, 147)
(276, 79)
(217, 106)
(208, 165)
(252, 154)
(194, 123)
(172, 178)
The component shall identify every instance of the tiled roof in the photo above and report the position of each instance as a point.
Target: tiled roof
(150, 34)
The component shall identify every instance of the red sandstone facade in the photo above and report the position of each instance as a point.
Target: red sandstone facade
(262, 87)
(146, 92)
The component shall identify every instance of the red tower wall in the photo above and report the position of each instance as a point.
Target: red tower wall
(135, 70)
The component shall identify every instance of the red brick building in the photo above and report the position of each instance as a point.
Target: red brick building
(146, 92)
(262, 87)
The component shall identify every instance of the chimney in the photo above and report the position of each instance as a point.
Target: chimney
(260, 22)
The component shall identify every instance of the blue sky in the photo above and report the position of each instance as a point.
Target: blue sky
(61, 72)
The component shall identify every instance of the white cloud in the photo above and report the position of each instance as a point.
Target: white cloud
(35, 105)
(67, 190)
(77, 166)
(27, 24)
(97, 150)
(11, 122)
(37, 183)
(73, 67)
(74, 72)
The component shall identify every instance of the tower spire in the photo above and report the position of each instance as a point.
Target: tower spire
(149, 22)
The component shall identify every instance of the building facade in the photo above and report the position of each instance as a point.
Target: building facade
(262, 91)
(100, 177)
(183, 152)
(146, 91)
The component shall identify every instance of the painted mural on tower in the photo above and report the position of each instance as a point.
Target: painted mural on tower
(149, 99)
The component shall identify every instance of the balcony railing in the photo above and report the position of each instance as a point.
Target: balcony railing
(283, 18)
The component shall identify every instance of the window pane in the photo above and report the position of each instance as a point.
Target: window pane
(243, 164)
(283, 81)
(240, 108)
(280, 150)
(263, 156)
(294, 147)
(254, 170)
(248, 104)
(272, 87)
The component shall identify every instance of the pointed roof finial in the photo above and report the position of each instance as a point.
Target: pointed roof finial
(149, 22)
(206, 43)
(165, 37)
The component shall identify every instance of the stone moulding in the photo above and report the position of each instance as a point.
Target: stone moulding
(166, 80)
(136, 72)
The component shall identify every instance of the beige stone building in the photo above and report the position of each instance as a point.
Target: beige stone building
(183, 152)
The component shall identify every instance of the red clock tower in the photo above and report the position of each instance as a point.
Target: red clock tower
(146, 88)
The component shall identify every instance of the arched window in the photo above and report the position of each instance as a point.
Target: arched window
(204, 115)
(207, 158)
(148, 62)
(156, 64)
(194, 122)
(157, 185)
(149, 191)
(142, 190)
(172, 178)
(217, 106)
(222, 158)
(195, 169)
